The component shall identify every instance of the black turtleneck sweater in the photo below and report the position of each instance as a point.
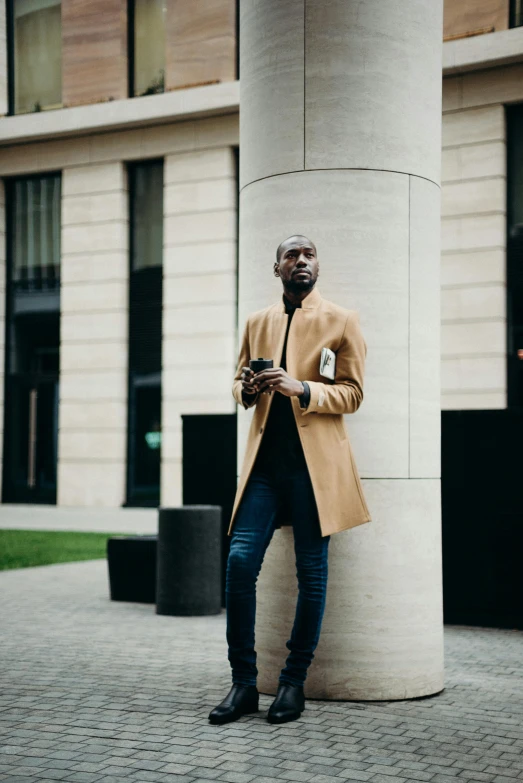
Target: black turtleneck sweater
(281, 448)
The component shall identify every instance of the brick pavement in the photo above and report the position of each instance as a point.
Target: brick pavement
(97, 691)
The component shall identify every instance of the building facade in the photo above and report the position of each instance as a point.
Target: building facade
(118, 260)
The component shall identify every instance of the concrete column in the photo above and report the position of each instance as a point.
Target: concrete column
(340, 140)
(93, 336)
(199, 298)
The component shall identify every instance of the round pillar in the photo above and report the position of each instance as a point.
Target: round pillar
(340, 140)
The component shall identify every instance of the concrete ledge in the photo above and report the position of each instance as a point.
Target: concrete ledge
(483, 51)
(206, 101)
(91, 520)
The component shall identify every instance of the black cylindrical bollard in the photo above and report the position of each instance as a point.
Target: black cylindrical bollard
(188, 576)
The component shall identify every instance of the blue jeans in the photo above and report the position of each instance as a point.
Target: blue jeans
(252, 531)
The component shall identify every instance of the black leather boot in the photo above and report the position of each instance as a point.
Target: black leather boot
(288, 704)
(240, 700)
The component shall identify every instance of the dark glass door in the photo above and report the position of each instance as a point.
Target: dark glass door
(31, 439)
(145, 441)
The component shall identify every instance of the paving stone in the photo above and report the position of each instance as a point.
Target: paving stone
(93, 690)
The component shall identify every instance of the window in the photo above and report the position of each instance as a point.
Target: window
(145, 333)
(146, 189)
(36, 232)
(35, 55)
(147, 45)
(33, 339)
(516, 13)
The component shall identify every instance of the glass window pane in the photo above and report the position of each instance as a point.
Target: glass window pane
(147, 214)
(36, 229)
(37, 55)
(149, 46)
(515, 180)
(517, 13)
(148, 437)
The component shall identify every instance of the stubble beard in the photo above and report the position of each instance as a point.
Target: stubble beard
(299, 286)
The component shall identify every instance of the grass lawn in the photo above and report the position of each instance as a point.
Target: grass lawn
(25, 548)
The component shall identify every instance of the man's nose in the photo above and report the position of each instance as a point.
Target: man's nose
(302, 261)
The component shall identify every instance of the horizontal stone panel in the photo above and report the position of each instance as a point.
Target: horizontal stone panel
(473, 338)
(101, 237)
(94, 267)
(473, 373)
(107, 445)
(94, 179)
(93, 414)
(471, 233)
(202, 349)
(93, 386)
(477, 266)
(94, 356)
(81, 327)
(200, 258)
(474, 161)
(199, 319)
(199, 166)
(200, 381)
(184, 229)
(473, 198)
(485, 400)
(200, 289)
(486, 301)
(81, 209)
(91, 484)
(207, 196)
(92, 297)
(473, 126)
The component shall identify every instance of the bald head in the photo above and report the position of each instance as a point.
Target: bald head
(296, 240)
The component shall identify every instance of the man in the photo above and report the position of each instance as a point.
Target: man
(298, 468)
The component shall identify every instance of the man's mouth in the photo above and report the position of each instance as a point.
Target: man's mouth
(301, 272)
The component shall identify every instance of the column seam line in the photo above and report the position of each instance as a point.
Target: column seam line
(304, 81)
(408, 327)
(339, 168)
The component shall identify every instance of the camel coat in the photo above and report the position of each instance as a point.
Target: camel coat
(321, 427)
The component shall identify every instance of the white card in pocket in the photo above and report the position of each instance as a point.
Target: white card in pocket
(328, 363)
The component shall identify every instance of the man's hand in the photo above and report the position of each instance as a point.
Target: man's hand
(247, 381)
(277, 379)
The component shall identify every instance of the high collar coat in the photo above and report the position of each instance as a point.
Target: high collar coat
(321, 427)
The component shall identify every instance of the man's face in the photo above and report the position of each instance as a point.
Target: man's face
(298, 266)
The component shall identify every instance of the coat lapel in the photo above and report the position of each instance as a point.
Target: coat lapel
(276, 336)
(301, 323)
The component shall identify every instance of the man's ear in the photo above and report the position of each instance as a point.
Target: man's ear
(276, 269)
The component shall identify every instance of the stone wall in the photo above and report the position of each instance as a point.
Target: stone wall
(200, 292)
(474, 237)
(92, 440)
(199, 327)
